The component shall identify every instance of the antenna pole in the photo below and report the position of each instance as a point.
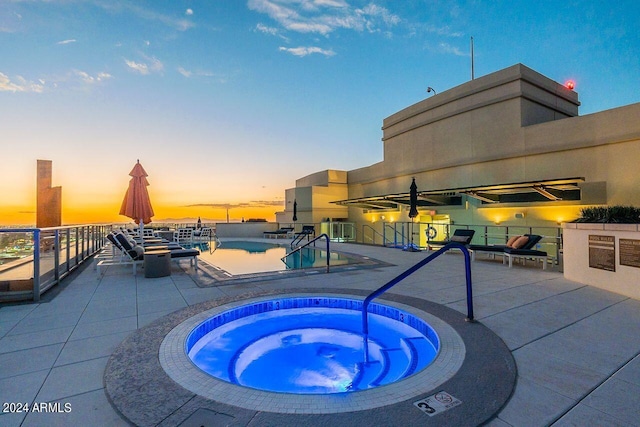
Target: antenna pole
(472, 58)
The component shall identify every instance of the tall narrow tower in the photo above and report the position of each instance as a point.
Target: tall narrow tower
(48, 199)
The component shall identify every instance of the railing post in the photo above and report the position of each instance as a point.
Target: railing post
(558, 243)
(68, 249)
(36, 265)
(77, 245)
(328, 255)
(56, 255)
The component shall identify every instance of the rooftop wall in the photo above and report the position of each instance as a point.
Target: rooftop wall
(481, 120)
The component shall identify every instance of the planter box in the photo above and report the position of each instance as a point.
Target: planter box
(606, 256)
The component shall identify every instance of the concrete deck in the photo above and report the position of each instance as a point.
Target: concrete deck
(576, 347)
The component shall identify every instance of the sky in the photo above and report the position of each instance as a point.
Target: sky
(227, 102)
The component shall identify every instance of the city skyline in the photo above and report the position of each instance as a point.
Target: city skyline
(226, 104)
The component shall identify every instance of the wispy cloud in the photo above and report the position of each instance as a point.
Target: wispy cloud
(152, 65)
(67, 41)
(201, 73)
(449, 49)
(307, 50)
(251, 204)
(325, 16)
(20, 84)
(179, 23)
(89, 79)
(442, 30)
(272, 31)
(184, 72)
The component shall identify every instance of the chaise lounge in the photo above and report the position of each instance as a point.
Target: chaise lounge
(281, 232)
(516, 247)
(133, 253)
(460, 235)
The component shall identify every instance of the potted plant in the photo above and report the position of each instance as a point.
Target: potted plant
(610, 215)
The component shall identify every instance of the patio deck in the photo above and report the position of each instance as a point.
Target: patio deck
(576, 347)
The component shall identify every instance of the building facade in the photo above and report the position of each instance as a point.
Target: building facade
(505, 149)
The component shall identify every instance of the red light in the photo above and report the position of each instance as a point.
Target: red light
(570, 84)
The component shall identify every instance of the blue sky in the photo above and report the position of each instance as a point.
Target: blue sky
(230, 101)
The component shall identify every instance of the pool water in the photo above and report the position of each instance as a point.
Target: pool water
(246, 257)
(311, 346)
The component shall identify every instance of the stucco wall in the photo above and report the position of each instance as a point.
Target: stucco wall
(625, 280)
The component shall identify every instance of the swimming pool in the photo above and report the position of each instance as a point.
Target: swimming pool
(247, 257)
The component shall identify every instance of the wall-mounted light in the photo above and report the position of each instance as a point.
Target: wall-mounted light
(430, 89)
(519, 215)
(382, 217)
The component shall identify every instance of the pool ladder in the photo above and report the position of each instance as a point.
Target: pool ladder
(307, 244)
(410, 271)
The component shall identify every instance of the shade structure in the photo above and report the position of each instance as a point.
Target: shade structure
(413, 199)
(136, 204)
(295, 211)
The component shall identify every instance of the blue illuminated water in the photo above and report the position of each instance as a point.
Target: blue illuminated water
(311, 346)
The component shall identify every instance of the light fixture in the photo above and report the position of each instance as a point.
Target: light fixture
(430, 89)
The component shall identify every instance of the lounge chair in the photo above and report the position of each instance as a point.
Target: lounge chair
(148, 232)
(524, 242)
(460, 235)
(183, 235)
(511, 253)
(204, 234)
(135, 253)
(281, 232)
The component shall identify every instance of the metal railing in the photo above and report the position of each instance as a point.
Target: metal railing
(416, 267)
(485, 234)
(374, 233)
(299, 248)
(54, 253)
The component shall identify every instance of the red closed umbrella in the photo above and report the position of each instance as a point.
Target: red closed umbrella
(136, 204)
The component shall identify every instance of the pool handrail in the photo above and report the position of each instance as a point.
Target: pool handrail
(411, 270)
(307, 244)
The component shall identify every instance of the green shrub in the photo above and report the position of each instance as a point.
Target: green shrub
(610, 214)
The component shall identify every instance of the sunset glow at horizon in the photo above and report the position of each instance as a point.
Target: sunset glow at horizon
(229, 103)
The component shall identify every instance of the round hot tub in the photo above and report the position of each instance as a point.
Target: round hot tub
(307, 354)
(312, 345)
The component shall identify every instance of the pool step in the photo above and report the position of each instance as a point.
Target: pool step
(398, 363)
(418, 346)
(367, 373)
(395, 361)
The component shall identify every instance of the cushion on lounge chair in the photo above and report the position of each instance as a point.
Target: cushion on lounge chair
(520, 242)
(512, 240)
(184, 253)
(533, 241)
